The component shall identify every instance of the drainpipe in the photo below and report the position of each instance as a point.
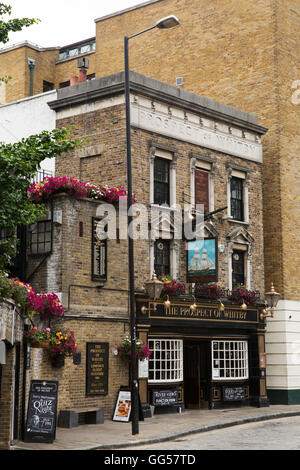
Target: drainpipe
(31, 64)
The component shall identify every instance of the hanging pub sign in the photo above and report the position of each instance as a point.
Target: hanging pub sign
(202, 260)
(99, 249)
(42, 411)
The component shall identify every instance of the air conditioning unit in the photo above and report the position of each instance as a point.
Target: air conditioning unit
(83, 63)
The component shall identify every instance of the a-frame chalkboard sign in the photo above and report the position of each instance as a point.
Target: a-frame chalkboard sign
(42, 411)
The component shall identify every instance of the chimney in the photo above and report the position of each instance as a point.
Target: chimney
(83, 64)
(74, 80)
(82, 75)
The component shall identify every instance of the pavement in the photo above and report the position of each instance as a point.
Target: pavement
(159, 428)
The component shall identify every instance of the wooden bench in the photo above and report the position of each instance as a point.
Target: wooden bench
(70, 418)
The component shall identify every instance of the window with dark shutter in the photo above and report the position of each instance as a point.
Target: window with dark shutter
(237, 203)
(161, 181)
(202, 188)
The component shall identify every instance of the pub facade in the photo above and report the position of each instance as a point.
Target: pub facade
(207, 345)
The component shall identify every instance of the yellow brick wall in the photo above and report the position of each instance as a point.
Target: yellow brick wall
(12, 65)
(243, 54)
(65, 70)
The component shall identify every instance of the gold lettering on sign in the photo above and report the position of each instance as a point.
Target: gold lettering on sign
(205, 313)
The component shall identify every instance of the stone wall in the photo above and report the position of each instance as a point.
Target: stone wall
(11, 332)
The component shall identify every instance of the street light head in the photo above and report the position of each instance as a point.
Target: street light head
(168, 22)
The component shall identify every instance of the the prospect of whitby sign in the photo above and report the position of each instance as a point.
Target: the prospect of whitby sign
(97, 368)
(206, 313)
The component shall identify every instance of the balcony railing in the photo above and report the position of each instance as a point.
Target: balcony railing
(40, 175)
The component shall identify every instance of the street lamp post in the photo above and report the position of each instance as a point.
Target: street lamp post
(164, 23)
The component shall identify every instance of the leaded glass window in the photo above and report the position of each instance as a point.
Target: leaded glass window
(162, 258)
(161, 181)
(237, 202)
(230, 360)
(40, 237)
(166, 360)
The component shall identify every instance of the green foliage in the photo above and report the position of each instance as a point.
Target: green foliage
(18, 164)
(11, 290)
(12, 25)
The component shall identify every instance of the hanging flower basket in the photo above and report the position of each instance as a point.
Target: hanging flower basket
(142, 350)
(38, 338)
(59, 343)
(43, 344)
(172, 287)
(241, 294)
(62, 344)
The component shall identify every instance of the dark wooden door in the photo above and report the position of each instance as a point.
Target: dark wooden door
(192, 376)
(202, 188)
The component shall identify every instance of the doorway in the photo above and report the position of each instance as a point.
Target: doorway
(15, 393)
(196, 374)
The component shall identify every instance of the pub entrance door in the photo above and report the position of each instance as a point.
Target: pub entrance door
(196, 374)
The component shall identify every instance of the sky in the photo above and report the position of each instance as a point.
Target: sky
(63, 22)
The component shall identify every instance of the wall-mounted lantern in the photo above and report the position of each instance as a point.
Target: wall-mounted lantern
(272, 298)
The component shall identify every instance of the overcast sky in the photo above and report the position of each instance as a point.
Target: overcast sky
(62, 21)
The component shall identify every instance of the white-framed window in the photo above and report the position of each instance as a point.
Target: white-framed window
(162, 177)
(230, 360)
(166, 360)
(238, 195)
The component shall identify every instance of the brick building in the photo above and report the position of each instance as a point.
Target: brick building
(276, 111)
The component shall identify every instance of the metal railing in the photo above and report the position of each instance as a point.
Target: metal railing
(40, 175)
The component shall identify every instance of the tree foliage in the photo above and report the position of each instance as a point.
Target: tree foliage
(12, 25)
(18, 165)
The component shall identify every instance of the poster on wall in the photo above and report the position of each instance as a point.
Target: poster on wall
(202, 260)
(123, 406)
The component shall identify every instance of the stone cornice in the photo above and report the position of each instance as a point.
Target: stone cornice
(105, 87)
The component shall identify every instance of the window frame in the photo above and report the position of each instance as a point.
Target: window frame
(166, 185)
(165, 242)
(175, 347)
(242, 254)
(240, 200)
(242, 360)
(45, 242)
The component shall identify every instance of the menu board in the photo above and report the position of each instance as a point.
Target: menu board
(165, 397)
(234, 393)
(123, 406)
(97, 368)
(42, 411)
